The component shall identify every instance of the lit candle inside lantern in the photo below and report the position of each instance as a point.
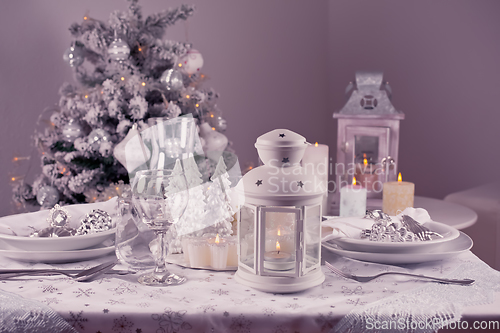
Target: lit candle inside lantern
(397, 196)
(366, 177)
(315, 162)
(219, 251)
(353, 200)
(278, 260)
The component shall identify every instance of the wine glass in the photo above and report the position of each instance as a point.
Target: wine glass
(160, 198)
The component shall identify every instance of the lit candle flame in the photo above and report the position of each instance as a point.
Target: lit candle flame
(353, 180)
(278, 247)
(400, 179)
(217, 239)
(316, 144)
(365, 162)
(279, 232)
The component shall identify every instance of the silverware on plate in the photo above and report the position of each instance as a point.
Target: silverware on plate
(337, 271)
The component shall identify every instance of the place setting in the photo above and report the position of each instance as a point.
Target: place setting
(60, 235)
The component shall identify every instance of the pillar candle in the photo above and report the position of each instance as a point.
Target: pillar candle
(352, 200)
(315, 160)
(219, 251)
(397, 196)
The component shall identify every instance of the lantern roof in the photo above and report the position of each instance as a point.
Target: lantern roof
(369, 98)
(281, 186)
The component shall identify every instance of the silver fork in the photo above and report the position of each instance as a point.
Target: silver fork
(463, 282)
(81, 276)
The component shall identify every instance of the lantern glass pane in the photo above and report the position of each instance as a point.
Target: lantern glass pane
(366, 147)
(247, 236)
(280, 237)
(312, 232)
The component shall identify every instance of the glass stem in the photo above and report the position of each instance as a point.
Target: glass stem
(162, 253)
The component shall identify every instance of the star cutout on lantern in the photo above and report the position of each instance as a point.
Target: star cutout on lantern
(300, 184)
(285, 160)
(282, 135)
(259, 182)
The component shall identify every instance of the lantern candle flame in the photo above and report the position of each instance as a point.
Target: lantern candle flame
(353, 180)
(278, 247)
(400, 179)
(217, 239)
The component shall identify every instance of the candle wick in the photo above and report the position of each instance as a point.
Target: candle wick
(278, 252)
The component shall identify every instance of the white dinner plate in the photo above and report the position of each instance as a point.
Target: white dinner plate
(15, 230)
(58, 256)
(365, 245)
(454, 247)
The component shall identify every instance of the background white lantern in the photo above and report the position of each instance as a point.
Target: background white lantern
(279, 223)
(368, 135)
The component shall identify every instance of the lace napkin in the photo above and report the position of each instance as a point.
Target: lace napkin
(337, 227)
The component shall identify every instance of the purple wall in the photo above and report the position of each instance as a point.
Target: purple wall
(279, 63)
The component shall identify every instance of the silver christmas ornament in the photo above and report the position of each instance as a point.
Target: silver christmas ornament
(47, 196)
(58, 216)
(72, 130)
(95, 221)
(73, 56)
(98, 136)
(118, 50)
(171, 79)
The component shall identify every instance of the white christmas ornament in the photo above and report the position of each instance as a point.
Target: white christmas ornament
(191, 62)
(72, 130)
(47, 196)
(118, 50)
(171, 79)
(213, 142)
(98, 136)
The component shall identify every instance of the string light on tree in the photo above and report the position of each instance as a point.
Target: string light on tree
(74, 55)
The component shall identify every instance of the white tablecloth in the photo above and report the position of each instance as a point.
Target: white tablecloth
(213, 302)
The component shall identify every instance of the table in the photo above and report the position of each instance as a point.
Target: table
(213, 302)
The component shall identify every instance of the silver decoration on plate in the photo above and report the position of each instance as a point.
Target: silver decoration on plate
(58, 216)
(54, 232)
(95, 221)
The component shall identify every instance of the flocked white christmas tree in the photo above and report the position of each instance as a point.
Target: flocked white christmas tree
(126, 73)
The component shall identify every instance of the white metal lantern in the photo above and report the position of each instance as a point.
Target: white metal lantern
(368, 135)
(279, 222)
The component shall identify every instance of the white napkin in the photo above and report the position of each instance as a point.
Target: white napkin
(20, 224)
(338, 227)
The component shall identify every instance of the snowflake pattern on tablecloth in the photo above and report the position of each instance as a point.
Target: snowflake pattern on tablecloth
(122, 325)
(268, 312)
(171, 321)
(116, 301)
(207, 308)
(326, 322)
(240, 324)
(48, 288)
(355, 291)
(441, 269)
(124, 288)
(76, 319)
(293, 306)
(280, 329)
(241, 301)
(87, 292)
(144, 305)
(220, 292)
(355, 302)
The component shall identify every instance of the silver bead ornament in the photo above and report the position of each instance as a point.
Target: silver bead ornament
(118, 50)
(47, 196)
(95, 221)
(98, 136)
(171, 79)
(72, 131)
(73, 56)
